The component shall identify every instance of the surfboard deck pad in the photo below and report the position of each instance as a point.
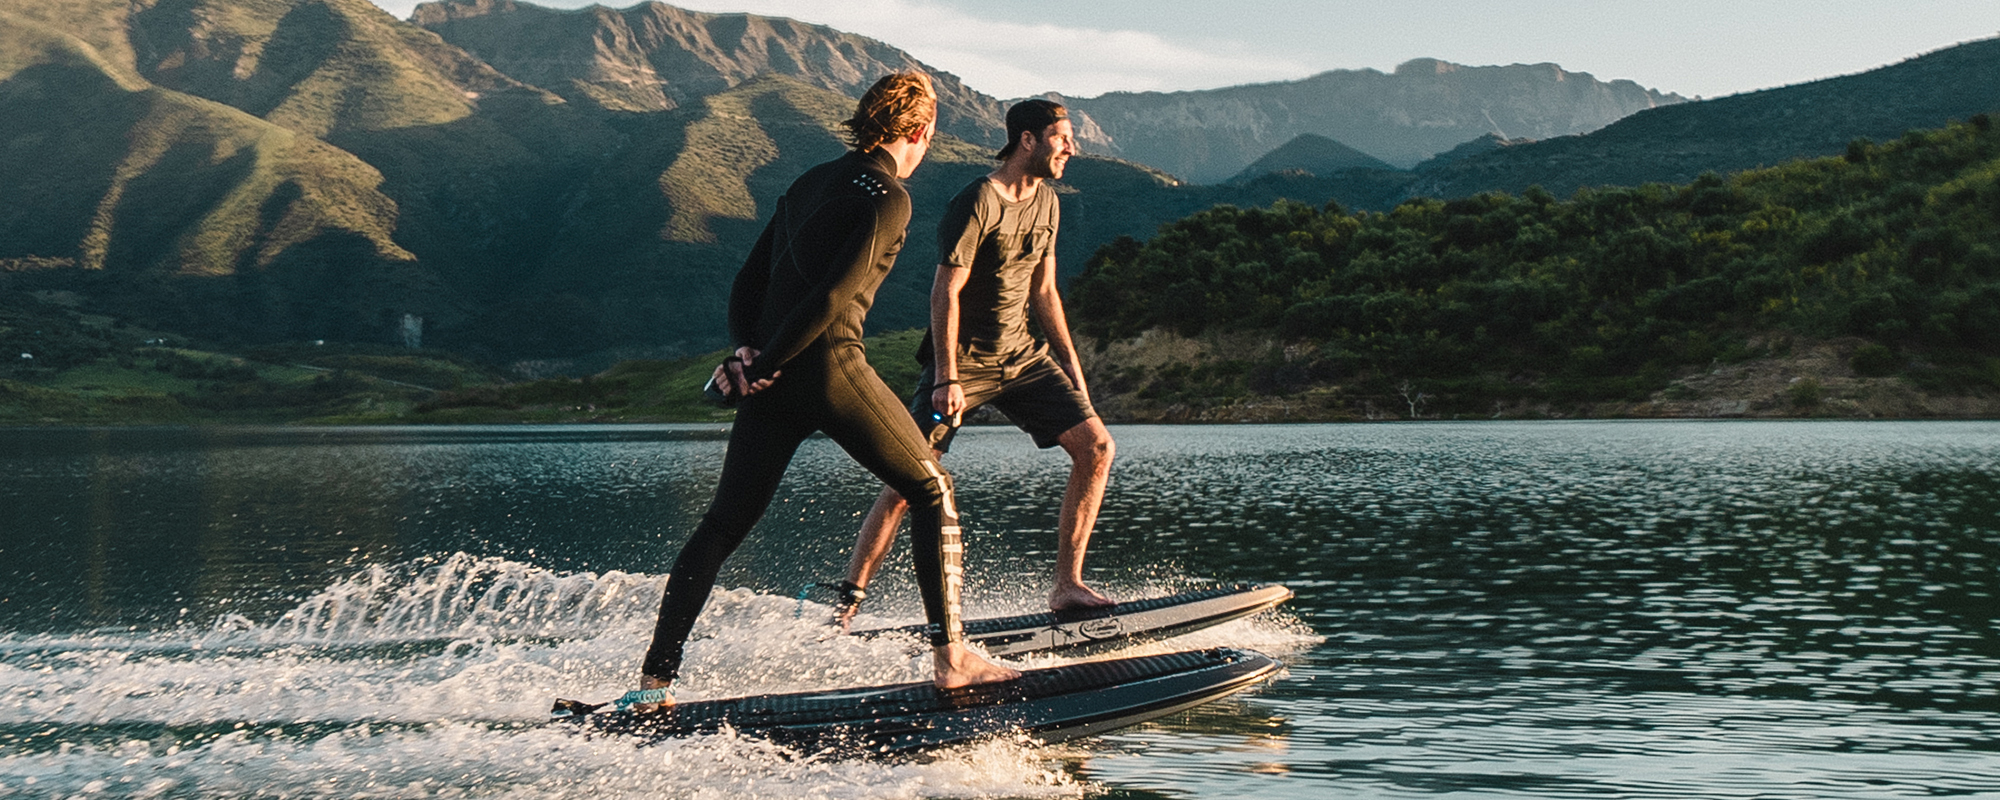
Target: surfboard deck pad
(1047, 705)
(1127, 623)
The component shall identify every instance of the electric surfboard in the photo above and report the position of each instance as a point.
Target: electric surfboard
(1127, 623)
(1048, 705)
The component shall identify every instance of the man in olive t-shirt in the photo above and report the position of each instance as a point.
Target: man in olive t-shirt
(997, 265)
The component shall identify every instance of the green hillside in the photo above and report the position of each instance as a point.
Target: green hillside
(254, 171)
(115, 174)
(475, 161)
(143, 199)
(1864, 284)
(541, 191)
(259, 170)
(1676, 143)
(64, 366)
(1497, 300)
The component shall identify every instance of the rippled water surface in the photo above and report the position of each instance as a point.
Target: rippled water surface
(1604, 610)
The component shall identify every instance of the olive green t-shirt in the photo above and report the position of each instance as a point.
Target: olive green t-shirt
(1001, 243)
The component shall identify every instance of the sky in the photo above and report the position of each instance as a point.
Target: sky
(1083, 48)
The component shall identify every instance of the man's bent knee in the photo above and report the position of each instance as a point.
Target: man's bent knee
(932, 491)
(1089, 443)
(890, 499)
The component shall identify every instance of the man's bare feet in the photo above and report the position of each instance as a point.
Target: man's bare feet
(650, 682)
(1075, 597)
(958, 667)
(843, 617)
(849, 604)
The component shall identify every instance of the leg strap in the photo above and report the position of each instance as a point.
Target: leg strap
(849, 596)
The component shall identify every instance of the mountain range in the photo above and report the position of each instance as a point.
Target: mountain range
(1676, 144)
(656, 57)
(1424, 107)
(519, 183)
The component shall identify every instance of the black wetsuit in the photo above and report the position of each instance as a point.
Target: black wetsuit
(800, 300)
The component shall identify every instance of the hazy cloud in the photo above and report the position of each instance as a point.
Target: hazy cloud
(1010, 59)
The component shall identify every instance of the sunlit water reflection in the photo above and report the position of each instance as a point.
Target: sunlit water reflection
(1733, 609)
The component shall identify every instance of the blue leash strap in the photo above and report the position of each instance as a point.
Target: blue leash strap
(803, 591)
(639, 696)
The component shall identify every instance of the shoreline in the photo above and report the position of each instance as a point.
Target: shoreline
(1155, 378)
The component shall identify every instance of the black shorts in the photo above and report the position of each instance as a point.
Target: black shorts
(1028, 387)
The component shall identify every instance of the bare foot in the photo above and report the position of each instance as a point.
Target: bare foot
(843, 617)
(1076, 597)
(650, 682)
(958, 667)
(849, 604)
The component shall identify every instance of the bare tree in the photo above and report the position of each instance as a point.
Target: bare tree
(1411, 396)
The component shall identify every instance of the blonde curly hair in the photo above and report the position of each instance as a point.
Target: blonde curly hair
(896, 107)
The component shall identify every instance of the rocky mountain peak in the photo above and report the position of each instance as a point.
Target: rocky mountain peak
(1425, 66)
(655, 57)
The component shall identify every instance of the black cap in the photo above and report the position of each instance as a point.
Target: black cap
(1034, 116)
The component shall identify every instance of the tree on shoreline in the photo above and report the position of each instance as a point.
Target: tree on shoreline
(1604, 296)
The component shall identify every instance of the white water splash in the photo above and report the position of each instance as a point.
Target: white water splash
(461, 596)
(461, 760)
(430, 679)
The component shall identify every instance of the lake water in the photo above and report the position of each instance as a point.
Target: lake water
(1598, 609)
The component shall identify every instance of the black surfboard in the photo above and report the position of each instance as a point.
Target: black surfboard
(1048, 705)
(1126, 623)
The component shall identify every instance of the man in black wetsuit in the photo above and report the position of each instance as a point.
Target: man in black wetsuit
(996, 266)
(795, 313)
